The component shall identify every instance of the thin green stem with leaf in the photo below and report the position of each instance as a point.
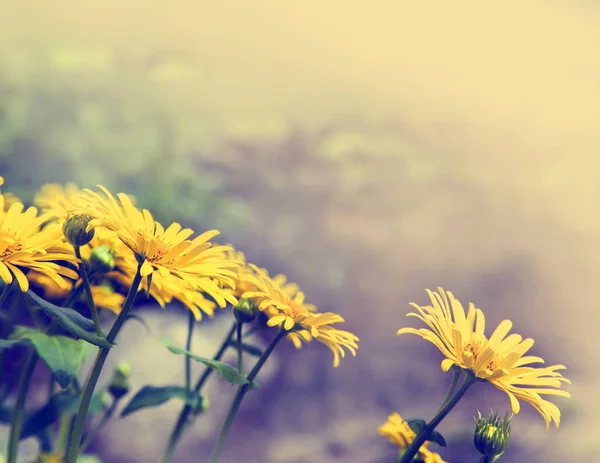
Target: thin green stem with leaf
(188, 347)
(88, 292)
(240, 350)
(420, 438)
(186, 411)
(239, 396)
(79, 426)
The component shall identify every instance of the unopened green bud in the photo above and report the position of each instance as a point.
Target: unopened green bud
(202, 406)
(105, 399)
(119, 383)
(75, 232)
(492, 435)
(102, 259)
(245, 311)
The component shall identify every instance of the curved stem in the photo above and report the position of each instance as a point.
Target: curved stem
(420, 439)
(88, 292)
(188, 347)
(239, 396)
(184, 415)
(455, 377)
(240, 351)
(75, 439)
(18, 414)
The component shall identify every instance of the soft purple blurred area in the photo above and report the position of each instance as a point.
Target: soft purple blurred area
(407, 149)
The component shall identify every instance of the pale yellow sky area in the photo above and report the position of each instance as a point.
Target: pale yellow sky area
(520, 63)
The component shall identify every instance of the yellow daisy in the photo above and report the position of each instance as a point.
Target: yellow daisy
(499, 359)
(106, 298)
(51, 289)
(24, 246)
(167, 251)
(9, 198)
(399, 433)
(285, 307)
(57, 201)
(166, 288)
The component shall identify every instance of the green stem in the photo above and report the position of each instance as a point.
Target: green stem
(240, 351)
(18, 414)
(188, 347)
(455, 376)
(88, 292)
(420, 439)
(184, 415)
(75, 439)
(94, 432)
(239, 396)
(63, 432)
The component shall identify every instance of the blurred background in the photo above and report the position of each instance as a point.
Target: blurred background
(366, 150)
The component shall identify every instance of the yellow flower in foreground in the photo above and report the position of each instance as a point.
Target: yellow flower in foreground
(167, 251)
(499, 359)
(399, 433)
(283, 303)
(24, 247)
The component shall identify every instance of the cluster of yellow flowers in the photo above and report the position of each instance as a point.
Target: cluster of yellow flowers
(123, 247)
(199, 274)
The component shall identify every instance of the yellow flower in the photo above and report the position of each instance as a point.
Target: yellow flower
(283, 303)
(165, 289)
(399, 433)
(24, 247)
(169, 251)
(9, 198)
(51, 289)
(57, 201)
(106, 298)
(499, 360)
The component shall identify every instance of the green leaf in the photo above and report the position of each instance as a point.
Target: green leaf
(70, 320)
(44, 416)
(8, 343)
(229, 373)
(88, 459)
(153, 396)
(248, 348)
(435, 436)
(416, 424)
(63, 355)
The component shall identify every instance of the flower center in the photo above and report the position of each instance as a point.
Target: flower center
(8, 245)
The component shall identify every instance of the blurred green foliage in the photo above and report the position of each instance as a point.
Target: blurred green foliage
(94, 117)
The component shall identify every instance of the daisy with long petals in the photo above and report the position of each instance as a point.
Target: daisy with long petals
(500, 359)
(167, 251)
(24, 246)
(284, 305)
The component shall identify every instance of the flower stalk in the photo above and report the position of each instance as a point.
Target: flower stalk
(420, 438)
(241, 392)
(184, 415)
(79, 425)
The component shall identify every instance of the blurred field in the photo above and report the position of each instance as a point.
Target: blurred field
(368, 153)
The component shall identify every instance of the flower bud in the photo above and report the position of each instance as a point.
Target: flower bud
(492, 435)
(75, 232)
(102, 259)
(202, 406)
(119, 383)
(244, 311)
